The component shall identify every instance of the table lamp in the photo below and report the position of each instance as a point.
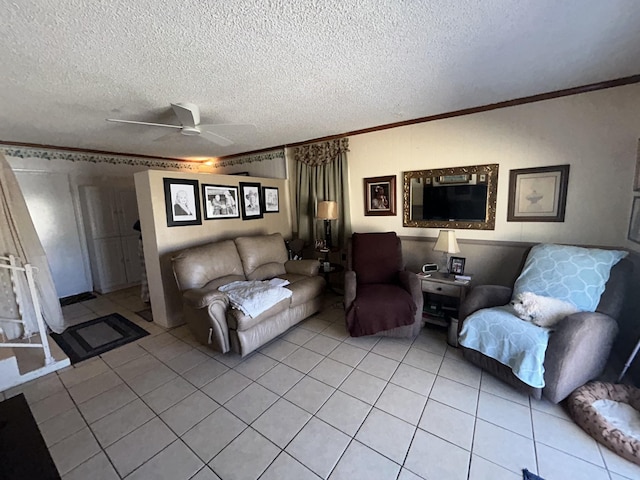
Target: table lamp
(446, 244)
(327, 211)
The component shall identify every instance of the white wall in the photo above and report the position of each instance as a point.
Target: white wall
(61, 228)
(162, 242)
(596, 133)
(49, 201)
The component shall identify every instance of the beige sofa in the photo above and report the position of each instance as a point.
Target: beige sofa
(199, 271)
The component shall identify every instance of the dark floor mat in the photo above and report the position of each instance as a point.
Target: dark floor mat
(23, 453)
(81, 297)
(98, 336)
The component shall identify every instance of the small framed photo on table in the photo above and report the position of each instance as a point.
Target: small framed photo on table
(456, 265)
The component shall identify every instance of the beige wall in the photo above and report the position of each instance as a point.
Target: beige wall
(161, 242)
(596, 133)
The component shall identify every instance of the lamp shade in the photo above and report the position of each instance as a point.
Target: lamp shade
(446, 242)
(328, 210)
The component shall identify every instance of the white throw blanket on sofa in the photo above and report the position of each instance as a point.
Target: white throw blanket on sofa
(255, 297)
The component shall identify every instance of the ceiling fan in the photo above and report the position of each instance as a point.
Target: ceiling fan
(189, 116)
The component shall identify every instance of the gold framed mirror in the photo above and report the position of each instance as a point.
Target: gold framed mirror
(454, 197)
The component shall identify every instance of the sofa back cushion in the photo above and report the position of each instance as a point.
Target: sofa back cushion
(263, 256)
(376, 257)
(197, 266)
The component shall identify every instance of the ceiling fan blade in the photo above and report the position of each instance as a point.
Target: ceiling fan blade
(143, 123)
(187, 113)
(167, 137)
(215, 138)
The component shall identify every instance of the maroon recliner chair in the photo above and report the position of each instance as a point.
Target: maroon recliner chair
(381, 297)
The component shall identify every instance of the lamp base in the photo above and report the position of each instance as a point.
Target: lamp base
(327, 235)
(444, 269)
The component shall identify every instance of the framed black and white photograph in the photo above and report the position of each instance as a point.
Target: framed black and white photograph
(250, 200)
(220, 201)
(182, 202)
(634, 221)
(538, 194)
(271, 199)
(456, 265)
(380, 196)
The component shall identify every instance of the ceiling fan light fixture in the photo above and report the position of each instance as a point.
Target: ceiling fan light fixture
(189, 131)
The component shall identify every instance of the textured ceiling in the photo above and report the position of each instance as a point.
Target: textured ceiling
(297, 70)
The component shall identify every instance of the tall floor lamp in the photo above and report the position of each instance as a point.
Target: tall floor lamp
(447, 244)
(327, 211)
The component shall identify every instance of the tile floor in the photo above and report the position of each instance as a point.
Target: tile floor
(311, 404)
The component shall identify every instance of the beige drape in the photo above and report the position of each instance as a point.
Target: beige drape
(321, 174)
(18, 237)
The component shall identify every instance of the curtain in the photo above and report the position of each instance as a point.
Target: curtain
(322, 174)
(18, 237)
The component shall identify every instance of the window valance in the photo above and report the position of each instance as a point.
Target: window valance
(322, 153)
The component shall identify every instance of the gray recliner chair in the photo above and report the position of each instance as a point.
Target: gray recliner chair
(577, 350)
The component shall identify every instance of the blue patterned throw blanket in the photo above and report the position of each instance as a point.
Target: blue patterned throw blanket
(499, 334)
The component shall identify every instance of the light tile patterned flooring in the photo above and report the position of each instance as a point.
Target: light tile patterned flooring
(311, 404)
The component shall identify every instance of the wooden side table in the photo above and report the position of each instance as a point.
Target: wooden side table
(326, 273)
(442, 298)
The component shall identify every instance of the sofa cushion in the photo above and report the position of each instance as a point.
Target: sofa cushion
(304, 288)
(197, 266)
(263, 250)
(239, 321)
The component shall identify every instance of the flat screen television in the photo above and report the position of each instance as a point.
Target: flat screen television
(461, 203)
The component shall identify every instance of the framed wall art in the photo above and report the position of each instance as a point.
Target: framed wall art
(220, 201)
(636, 178)
(182, 202)
(538, 194)
(380, 196)
(270, 199)
(250, 198)
(634, 221)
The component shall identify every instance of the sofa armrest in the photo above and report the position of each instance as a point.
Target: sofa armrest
(577, 352)
(205, 313)
(203, 297)
(302, 267)
(350, 287)
(484, 296)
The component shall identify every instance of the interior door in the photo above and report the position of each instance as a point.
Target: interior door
(100, 207)
(48, 198)
(109, 263)
(127, 207)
